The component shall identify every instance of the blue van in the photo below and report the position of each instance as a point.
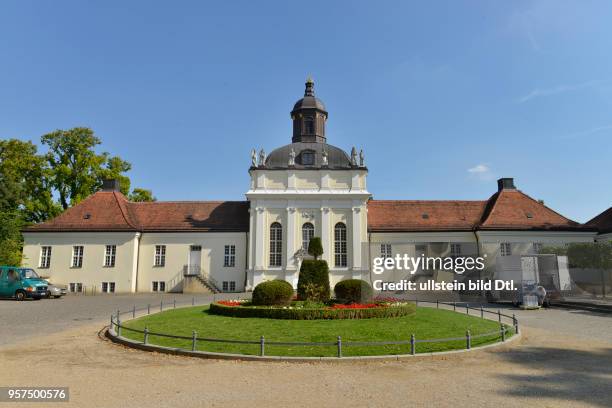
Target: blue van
(21, 283)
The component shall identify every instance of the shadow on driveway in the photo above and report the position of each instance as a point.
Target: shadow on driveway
(569, 374)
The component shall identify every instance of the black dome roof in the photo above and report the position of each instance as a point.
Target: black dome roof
(336, 157)
(309, 102)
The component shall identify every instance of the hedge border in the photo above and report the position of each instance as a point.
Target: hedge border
(311, 314)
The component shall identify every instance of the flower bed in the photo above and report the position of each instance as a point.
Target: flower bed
(301, 311)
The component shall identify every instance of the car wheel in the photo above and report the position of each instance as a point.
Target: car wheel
(20, 295)
(56, 297)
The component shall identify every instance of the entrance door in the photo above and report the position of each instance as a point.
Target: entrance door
(195, 260)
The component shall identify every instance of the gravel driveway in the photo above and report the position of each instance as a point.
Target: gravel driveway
(563, 360)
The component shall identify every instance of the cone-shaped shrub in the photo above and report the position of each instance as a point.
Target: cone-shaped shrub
(315, 248)
(314, 272)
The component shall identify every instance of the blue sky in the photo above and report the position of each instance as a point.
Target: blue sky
(444, 97)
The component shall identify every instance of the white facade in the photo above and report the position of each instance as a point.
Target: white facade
(292, 198)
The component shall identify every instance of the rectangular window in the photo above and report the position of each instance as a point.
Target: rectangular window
(45, 257)
(228, 286)
(385, 251)
(230, 256)
(110, 254)
(108, 287)
(340, 247)
(505, 249)
(77, 256)
(159, 286)
(76, 287)
(160, 255)
(455, 249)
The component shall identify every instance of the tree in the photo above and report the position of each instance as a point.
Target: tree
(25, 182)
(315, 248)
(141, 195)
(77, 170)
(10, 239)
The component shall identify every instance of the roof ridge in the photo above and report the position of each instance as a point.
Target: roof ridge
(127, 221)
(186, 202)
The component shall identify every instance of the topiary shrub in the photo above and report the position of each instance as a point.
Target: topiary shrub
(315, 248)
(275, 292)
(314, 272)
(353, 291)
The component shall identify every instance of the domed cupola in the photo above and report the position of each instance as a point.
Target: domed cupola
(309, 117)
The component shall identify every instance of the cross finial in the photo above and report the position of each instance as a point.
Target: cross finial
(309, 87)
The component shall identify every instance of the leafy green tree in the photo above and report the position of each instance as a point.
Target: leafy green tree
(25, 182)
(77, 170)
(11, 241)
(141, 195)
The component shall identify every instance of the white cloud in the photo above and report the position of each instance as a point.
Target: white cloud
(559, 89)
(479, 168)
(481, 171)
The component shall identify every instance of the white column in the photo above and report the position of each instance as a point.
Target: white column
(356, 242)
(290, 265)
(326, 235)
(135, 252)
(259, 239)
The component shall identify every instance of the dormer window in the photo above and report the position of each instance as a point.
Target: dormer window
(309, 125)
(308, 158)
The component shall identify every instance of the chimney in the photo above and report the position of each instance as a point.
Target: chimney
(505, 183)
(110, 185)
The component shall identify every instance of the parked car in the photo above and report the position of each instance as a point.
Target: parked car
(55, 291)
(21, 283)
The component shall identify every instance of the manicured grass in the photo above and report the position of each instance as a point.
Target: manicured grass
(426, 323)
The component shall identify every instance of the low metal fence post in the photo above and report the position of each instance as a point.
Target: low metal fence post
(149, 308)
(499, 315)
(412, 345)
(437, 304)
(481, 312)
(454, 306)
(416, 301)
(146, 335)
(134, 312)
(111, 323)
(161, 305)
(502, 329)
(118, 324)
(193, 301)
(174, 303)
(515, 322)
(262, 346)
(339, 347)
(468, 339)
(194, 341)
(467, 308)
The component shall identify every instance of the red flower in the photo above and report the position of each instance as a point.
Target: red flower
(229, 303)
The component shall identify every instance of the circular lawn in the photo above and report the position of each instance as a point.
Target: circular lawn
(426, 323)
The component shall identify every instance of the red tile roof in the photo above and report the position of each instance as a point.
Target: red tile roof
(603, 221)
(513, 210)
(505, 210)
(111, 211)
(399, 215)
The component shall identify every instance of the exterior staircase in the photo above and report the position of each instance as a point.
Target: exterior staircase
(195, 281)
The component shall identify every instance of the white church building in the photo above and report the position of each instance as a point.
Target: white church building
(303, 189)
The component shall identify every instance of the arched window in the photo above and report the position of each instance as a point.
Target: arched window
(340, 253)
(307, 233)
(309, 125)
(276, 244)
